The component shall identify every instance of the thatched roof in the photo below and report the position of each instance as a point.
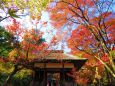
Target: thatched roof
(60, 55)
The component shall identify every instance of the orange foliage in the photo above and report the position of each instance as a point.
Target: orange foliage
(81, 38)
(30, 44)
(92, 26)
(66, 9)
(15, 28)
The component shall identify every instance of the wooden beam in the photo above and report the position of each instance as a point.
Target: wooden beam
(54, 65)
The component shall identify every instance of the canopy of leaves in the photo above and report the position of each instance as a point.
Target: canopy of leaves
(71, 12)
(93, 21)
(33, 6)
(6, 41)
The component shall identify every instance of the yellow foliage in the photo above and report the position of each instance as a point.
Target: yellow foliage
(6, 67)
(13, 54)
(34, 6)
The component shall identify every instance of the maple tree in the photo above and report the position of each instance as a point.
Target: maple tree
(92, 26)
(29, 47)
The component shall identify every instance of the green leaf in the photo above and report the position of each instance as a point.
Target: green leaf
(12, 13)
(5, 42)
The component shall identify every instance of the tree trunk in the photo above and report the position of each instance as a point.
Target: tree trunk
(10, 76)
